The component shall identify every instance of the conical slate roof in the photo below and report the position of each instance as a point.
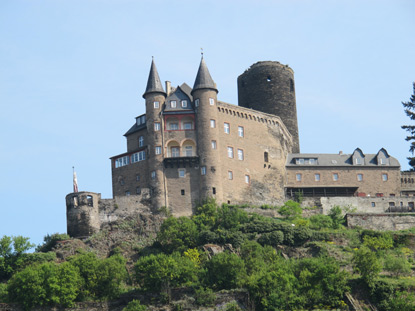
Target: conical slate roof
(153, 84)
(203, 78)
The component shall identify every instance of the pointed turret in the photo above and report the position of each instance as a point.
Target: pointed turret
(153, 84)
(203, 78)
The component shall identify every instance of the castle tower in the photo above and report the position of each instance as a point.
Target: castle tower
(82, 215)
(205, 98)
(155, 97)
(269, 87)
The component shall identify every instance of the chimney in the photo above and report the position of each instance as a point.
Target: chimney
(168, 87)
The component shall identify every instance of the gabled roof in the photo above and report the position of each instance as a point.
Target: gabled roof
(337, 160)
(203, 78)
(153, 83)
(178, 95)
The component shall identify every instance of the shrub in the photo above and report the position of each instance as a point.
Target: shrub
(226, 271)
(321, 221)
(290, 209)
(383, 241)
(397, 265)
(204, 296)
(135, 305)
(177, 234)
(272, 238)
(367, 264)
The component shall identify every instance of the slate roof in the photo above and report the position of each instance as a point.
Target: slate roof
(153, 83)
(203, 78)
(338, 160)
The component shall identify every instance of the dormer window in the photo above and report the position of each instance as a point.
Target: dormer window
(184, 103)
(358, 161)
(173, 104)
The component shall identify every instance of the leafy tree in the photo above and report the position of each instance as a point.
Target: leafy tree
(336, 216)
(226, 271)
(321, 221)
(135, 305)
(45, 284)
(161, 272)
(291, 209)
(12, 251)
(409, 108)
(230, 218)
(397, 265)
(383, 241)
(204, 296)
(178, 234)
(367, 264)
(50, 241)
(205, 214)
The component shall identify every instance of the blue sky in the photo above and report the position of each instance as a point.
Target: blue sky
(72, 75)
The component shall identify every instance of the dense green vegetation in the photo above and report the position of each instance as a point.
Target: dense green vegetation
(288, 263)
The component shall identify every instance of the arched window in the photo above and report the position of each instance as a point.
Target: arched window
(173, 149)
(188, 148)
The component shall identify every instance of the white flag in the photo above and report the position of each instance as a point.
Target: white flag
(75, 182)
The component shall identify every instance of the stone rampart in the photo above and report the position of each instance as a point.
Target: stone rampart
(382, 222)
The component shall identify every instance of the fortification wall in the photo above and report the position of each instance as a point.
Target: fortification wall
(87, 213)
(382, 222)
(362, 204)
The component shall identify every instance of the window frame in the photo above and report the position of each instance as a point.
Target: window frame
(298, 176)
(173, 104)
(317, 177)
(230, 175)
(214, 144)
(247, 179)
(157, 126)
(240, 154)
(141, 141)
(184, 103)
(230, 152)
(212, 123)
(359, 176)
(385, 177)
(181, 173)
(153, 174)
(203, 170)
(157, 150)
(156, 105)
(335, 176)
(211, 101)
(241, 131)
(226, 128)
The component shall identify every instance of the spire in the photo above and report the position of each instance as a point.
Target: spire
(153, 82)
(203, 78)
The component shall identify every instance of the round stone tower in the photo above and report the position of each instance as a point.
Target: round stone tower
(269, 87)
(205, 98)
(155, 97)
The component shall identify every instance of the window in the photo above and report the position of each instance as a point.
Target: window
(137, 178)
(175, 152)
(211, 101)
(141, 141)
(138, 190)
(188, 150)
(230, 152)
(138, 156)
(203, 170)
(187, 125)
(141, 120)
(373, 204)
(213, 144)
(182, 192)
(173, 104)
(391, 204)
(358, 161)
(382, 161)
(212, 123)
(122, 161)
(385, 177)
(213, 190)
(298, 177)
(184, 103)
(317, 177)
(158, 150)
(197, 102)
(226, 127)
(122, 182)
(173, 126)
(182, 173)
(153, 174)
(156, 105)
(299, 161)
(265, 156)
(335, 176)
(157, 126)
(359, 177)
(240, 154)
(247, 179)
(240, 131)
(230, 175)
(127, 193)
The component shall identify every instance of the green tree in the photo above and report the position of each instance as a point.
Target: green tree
(178, 234)
(12, 252)
(367, 264)
(397, 265)
(291, 209)
(336, 216)
(321, 221)
(50, 241)
(226, 271)
(409, 108)
(45, 284)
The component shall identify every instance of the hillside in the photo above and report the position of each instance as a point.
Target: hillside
(222, 258)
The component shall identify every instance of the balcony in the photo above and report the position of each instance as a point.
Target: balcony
(181, 162)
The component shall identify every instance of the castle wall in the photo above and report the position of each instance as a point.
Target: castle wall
(371, 184)
(131, 178)
(381, 222)
(361, 204)
(257, 177)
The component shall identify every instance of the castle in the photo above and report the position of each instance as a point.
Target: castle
(189, 146)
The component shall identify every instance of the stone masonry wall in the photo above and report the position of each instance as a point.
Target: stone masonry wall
(382, 222)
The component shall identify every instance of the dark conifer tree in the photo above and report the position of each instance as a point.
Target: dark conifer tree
(410, 112)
